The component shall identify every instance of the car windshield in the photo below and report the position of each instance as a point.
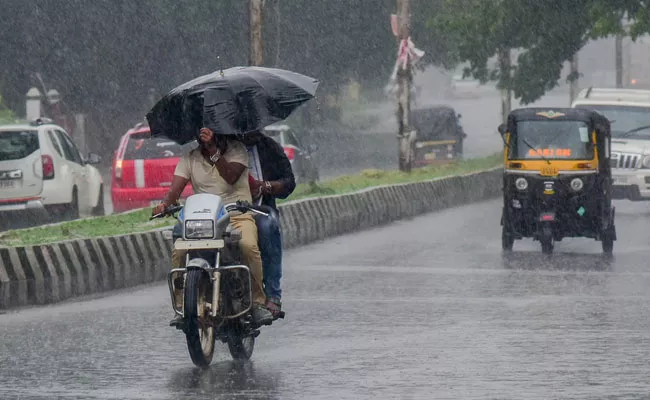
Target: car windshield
(18, 144)
(435, 124)
(622, 118)
(643, 133)
(536, 140)
(143, 147)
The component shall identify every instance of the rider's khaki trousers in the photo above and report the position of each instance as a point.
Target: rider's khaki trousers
(250, 253)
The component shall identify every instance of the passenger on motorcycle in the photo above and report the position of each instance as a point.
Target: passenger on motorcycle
(270, 177)
(219, 166)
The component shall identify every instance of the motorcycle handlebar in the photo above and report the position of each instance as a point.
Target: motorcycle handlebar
(241, 206)
(244, 206)
(168, 211)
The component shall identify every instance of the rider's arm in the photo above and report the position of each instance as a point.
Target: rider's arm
(175, 190)
(233, 163)
(181, 177)
(286, 183)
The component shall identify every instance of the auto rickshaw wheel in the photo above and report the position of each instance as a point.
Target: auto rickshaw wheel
(507, 241)
(546, 239)
(608, 243)
(609, 234)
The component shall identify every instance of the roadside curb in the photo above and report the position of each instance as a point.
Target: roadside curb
(45, 274)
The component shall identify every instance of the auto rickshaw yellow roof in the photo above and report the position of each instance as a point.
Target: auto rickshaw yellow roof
(560, 113)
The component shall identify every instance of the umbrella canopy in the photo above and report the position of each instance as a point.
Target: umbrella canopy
(235, 101)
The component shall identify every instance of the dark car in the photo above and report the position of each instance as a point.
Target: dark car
(300, 155)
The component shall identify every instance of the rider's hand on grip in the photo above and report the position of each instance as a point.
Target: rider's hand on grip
(242, 205)
(159, 209)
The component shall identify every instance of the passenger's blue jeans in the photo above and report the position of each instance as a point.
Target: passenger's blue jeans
(270, 244)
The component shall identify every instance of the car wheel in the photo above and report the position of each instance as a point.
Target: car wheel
(72, 209)
(99, 210)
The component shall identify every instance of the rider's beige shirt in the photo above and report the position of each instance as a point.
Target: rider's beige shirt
(205, 177)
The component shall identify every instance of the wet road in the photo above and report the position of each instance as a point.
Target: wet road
(419, 309)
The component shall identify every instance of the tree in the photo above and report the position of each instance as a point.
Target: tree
(547, 33)
(105, 56)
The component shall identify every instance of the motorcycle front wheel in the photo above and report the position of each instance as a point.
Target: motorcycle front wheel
(199, 333)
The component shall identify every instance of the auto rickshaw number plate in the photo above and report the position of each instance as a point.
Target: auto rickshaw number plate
(547, 217)
(549, 171)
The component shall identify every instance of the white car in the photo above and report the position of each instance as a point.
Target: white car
(43, 173)
(629, 113)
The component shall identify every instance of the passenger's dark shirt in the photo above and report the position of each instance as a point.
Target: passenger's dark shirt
(275, 167)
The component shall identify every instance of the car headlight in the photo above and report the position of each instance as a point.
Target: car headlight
(521, 183)
(199, 229)
(577, 184)
(646, 162)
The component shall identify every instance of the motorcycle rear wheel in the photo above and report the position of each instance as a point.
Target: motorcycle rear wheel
(200, 336)
(241, 347)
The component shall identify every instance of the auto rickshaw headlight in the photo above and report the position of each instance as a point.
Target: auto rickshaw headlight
(577, 184)
(646, 162)
(521, 183)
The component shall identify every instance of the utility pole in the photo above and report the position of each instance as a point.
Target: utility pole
(618, 44)
(255, 32)
(573, 84)
(505, 64)
(404, 82)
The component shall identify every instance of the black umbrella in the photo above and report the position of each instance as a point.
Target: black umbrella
(235, 101)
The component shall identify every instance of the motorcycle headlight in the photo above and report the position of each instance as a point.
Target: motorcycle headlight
(199, 229)
(577, 184)
(646, 162)
(521, 183)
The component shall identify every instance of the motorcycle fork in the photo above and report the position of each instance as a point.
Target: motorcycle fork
(171, 277)
(215, 276)
(216, 287)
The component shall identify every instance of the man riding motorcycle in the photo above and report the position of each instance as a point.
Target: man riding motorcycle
(270, 177)
(218, 166)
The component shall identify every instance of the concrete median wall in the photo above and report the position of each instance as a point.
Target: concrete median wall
(36, 275)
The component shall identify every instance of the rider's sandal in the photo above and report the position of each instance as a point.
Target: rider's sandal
(274, 305)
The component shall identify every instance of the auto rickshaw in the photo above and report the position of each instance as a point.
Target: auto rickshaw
(440, 136)
(557, 177)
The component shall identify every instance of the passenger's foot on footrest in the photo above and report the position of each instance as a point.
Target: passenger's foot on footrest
(262, 316)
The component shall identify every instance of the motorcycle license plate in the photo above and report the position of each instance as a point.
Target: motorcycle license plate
(207, 244)
(547, 217)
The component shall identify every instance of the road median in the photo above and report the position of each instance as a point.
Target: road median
(114, 252)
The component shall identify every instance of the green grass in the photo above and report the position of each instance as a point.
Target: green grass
(119, 224)
(375, 177)
(138, 221)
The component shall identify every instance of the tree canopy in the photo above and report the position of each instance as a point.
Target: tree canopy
(547, 33)
(104, 56)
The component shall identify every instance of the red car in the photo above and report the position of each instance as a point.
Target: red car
(143, 168)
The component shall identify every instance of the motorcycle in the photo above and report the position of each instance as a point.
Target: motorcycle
(213, 292)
